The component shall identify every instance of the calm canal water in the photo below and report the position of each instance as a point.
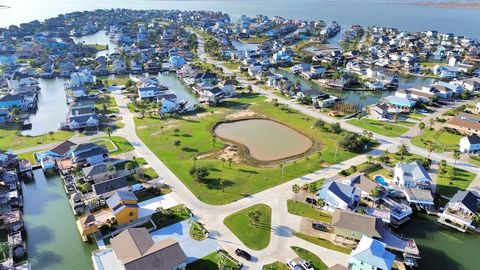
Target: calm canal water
(98, 38)
(256, 135)
(398, 14)
(52, 107)
(442, 248)
(53, 240)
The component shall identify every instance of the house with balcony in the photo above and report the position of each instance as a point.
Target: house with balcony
(370, 254)
(460, 210)
(339, 196)
(415, 182)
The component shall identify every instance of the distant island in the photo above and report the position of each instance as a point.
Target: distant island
(3, 6)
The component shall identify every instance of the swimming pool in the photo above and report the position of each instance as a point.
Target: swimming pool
(379, 179)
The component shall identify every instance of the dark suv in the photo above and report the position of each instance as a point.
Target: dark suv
(243, 254)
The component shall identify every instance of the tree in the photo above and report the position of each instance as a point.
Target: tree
(15, 112)
(130, 166)
(221, 183)
(109, 132)
(51, 133)
(200, 173)
(403, 150)
(450, 174)
(319, 123)
(369, 159)
(375, 192)
(395, 117)
(476, 219)
(295, 189)
(104, 107)
(110, 168)
(312, 188)
(456, 156)
(253, 217)
(177, 143)
(335, 128)
(421, 126)
(230, 161)
(352, 142)
(431, 121)
(161, 129)
(281, 166)
(430, 147)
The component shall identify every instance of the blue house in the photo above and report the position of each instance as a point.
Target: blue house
(177, 61)
(370, 254)
(11, 101)
(446, 72)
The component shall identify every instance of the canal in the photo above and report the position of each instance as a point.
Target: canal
(52, 107)
(53, 240)
(100, 38)
(441, 247)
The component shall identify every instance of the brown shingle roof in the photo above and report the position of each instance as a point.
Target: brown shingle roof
(135, 248)
(367, 225)
(464, 123)
(63, 148)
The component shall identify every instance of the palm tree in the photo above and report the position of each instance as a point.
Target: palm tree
(161, 129)
(430, 147)
(109, 132)
(456, 156)
(295, 189)
(281, 166)
(403, 150)
(130, 166)
(431, 121)
(369, 159)
(230, 160)
(194, 159)
(221, 182)
(476, 219)
(110, 168)
(421, 126)
(253, 217)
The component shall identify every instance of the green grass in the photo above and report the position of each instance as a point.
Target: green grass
(316, 262)
(29, 156)
(111, 104)
(474, 160)
(122, 144)
(255, 236)
(98, 47)
(210, 262)
(254, 40)
(10, 138)
(276, 266)
(460, 182)
(241, 180)
(379, 127)
(170, 216)
(443, 140)
(322, 242)
(306, 210)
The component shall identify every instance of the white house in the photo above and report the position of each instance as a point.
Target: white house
(412, 175)
(370, 254)
(339, 195)
(81, 77)
(460, 210)
(470, 144)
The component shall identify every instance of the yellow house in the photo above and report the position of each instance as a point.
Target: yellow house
(124, 206)
(123, 209)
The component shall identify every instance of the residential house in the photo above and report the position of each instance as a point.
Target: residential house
(5, 117)
(414, 182)
(400, 102)
(459, 211)
(353, 226)
(227, 87)
(446, 72)
(370, 254)
(151, 92)
(89, 153)
(107, 187)
(98, 173)
(12, 101)
(378, 111)
(134, 249)
(81, 77)
(124, 206)
(339, 195)
(466, 124)
(469, 144)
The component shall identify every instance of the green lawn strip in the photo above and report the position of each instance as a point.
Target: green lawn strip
(170, 216)
(211, 262)
(98, 47)
(141, 161)
(316, 262)
(118, 80)
(407, 124)
(150, 193)
(122, 144)
(276, 266)
(29, 156)
(111, 104)
(255, 236)
(306, 210)
(322, 242)
(379, 127)
(254, 40)
(444, 141)
(474, 160)
(460, 181)
(10, 138)
(240, 180)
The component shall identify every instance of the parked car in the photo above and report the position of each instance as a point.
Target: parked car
(311, 201)
(306, 264)
(242, 253)
(293, 265)
(320, 226)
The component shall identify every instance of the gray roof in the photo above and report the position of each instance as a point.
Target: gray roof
(367, 225)
(95, 169)
(468, 198)
(342, 191)
(120, 196)
(135, 249)
(110, 185)
(413, 170)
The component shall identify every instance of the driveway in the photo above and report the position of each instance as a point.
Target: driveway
(148, 207)
(192, 248)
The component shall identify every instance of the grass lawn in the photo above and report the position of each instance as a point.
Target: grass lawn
(98, 47)
(253, 40)
(316, 262)
(306, 210)
(170, 216)
(111, 104)
(275, 266)
(322, 242)
(255, 236)
(10, 138)
(118, 80)
(122, 144)
(443, 140)
(379, 127)
(474, 160)
(195, 137)
(210, 262)
(231, 65)
(460, 182)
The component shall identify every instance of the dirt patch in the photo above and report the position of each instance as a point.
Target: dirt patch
(241, 115)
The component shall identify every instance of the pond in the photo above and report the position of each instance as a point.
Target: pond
(266, 140)
(53, 241)
(52, 107)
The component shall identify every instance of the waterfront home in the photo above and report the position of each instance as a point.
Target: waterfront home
(214, 94)
(98, 173)
(370, 254)
(459, 211)
(81, 121)
(375, 85)
(446, 72)
(89, 153)
(378, 111)
(411, 175)
(151, 92)
(119, 66)
(134, 249)
(339, 196)
(12, 101)
(5, 117)
(106, 187)
(472, 84)
(314, 72)
(361, 182)
(400, 102)
(81, 77)
(48, 158)
(124, 206)
(469, 144)
(455, 89)
(227, 87)
(177, 61)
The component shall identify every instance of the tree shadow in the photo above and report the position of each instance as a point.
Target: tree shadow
(214, 183)
(248, 171)
(189, 150)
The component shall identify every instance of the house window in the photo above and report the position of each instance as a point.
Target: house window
(131, 214)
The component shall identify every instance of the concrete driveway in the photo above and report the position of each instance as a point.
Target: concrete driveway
(193, 249)
(148, 207)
